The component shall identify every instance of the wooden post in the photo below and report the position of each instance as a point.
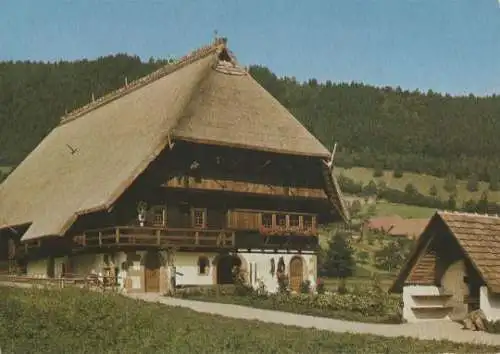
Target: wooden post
(233, 238)
(100, 238)
(158, 233)
(196, 238)
(117, 235)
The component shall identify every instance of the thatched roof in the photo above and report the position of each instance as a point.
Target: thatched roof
(478, 236)
(97, 151)
(234, 110)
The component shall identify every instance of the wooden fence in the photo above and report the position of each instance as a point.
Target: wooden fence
(89, 281)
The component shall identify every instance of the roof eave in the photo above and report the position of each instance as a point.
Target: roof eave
(398, 284)
(249, 147)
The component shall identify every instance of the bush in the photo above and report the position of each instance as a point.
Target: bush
(363, 257)
(320, 286)
(378, 172)
(411, 190)
(241, 287)
(342, 287)
(473, 183)
(494, 185)
(282, 283)
(397, 173)
(368, 303)
(305, 287)
(370, 189)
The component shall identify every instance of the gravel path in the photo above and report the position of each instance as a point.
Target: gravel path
(429, 330)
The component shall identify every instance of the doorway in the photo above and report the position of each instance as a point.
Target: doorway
(296, 273)
(152, 272)
(225, 267)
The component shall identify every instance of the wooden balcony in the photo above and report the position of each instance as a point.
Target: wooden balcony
(155, 237)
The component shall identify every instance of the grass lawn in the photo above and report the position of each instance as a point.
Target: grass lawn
(77, 321)
(422, 182)
(384, 208)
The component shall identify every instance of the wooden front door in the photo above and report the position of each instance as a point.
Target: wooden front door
(296, 273)
(152, 272)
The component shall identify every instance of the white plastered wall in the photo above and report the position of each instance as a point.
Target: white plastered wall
(489, 304)
(186, 265)
(259, 268)
(410, 303)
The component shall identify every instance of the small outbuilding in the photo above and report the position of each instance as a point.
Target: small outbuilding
(453, 269)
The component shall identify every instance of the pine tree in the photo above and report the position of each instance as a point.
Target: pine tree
(452, 202)
(482, 204)
(370, 189)
(450, 184)
(433, 191)
(493, 178)
(410, 189)
(473, 183)
(397, 173)
(338, 259)
(378, 172)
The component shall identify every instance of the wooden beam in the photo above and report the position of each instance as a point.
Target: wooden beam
(245, 187)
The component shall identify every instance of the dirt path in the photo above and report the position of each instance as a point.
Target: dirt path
(430, 330)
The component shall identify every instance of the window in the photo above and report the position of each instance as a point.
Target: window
(308, 222)
(294, 221)
(203, 265)
(199, 218)
(281, 220)
(267, 220)
(159, 216)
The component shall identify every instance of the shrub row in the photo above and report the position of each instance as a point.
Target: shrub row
(367, 303)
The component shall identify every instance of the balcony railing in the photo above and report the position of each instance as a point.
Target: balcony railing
(290, 231)
(155, 236)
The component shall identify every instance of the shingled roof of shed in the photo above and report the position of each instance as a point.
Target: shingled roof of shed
(479, 238)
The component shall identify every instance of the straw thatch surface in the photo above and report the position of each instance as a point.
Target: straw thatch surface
(114, 139)
(115, 143)
(235, 110)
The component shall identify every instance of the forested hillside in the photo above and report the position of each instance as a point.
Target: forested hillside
(395, 129)
(375, 127)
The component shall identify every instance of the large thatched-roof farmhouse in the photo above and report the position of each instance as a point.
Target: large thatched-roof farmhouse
(193, 170)
(454, 269)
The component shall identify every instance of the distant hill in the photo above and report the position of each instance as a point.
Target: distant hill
(422, 182)
(374, 127)
(391, 128)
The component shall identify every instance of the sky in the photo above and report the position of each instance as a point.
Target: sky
(449, 46)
